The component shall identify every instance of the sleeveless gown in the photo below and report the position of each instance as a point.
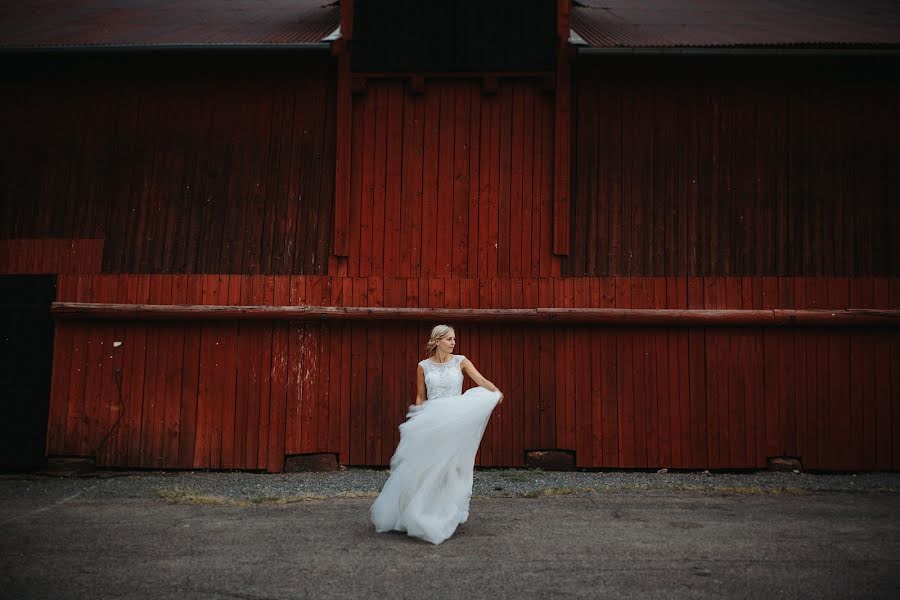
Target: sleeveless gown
(428, 491)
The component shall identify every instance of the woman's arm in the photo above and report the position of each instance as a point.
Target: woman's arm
(469, 369)
(420, 384)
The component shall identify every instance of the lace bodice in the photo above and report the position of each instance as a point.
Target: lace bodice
(443, 379)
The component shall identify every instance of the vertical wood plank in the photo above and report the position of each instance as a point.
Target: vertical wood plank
(515, 182)
(430, 178)
(444, 212)
(583, 367)
(379, 150)
(625, 384)
(461, 153)
(343, 164)
(393, 180)
(109, 401)
(357, 190)
(155, 385)
(190, 379)
(137, 292)
(504, 174)
(561, 150)
(476, 133)
(358, 384)
(174, 361)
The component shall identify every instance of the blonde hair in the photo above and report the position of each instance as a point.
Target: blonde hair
(437, 334)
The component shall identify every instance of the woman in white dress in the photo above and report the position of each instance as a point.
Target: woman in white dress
(427, 494)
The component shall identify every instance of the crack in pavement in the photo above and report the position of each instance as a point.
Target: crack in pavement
(46, 508)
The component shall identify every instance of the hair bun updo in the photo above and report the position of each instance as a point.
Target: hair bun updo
(437, 334)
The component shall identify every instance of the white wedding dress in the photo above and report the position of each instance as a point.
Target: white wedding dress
(427, 494)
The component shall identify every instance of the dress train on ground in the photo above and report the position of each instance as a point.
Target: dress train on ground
(427, 494)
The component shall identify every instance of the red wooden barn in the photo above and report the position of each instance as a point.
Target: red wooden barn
(667, 230)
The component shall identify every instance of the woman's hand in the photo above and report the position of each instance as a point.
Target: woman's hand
(469, 369)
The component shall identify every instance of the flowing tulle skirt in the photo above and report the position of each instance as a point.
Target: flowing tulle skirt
(427, 494)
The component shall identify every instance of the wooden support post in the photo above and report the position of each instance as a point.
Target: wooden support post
(346, 19)
(563, 129)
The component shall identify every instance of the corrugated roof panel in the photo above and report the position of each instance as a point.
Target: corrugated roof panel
(695, 23)
(52, 23)
(602, 23)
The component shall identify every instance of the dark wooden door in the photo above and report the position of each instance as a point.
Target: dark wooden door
(26, 346)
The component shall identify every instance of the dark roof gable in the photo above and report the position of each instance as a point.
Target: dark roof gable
(165, 23)
(305, 23)
(723, 23)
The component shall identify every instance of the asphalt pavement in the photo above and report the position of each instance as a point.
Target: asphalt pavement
(141, 537)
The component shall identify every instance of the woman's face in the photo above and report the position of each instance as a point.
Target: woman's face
(447, 343)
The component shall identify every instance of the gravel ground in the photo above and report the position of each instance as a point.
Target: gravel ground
(204, 487)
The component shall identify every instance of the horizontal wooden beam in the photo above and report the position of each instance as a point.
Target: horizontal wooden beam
(585, 316)
(500, 75)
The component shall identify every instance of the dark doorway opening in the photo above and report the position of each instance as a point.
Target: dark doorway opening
(26, 356)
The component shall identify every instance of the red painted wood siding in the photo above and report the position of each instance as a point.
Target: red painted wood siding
(176, 168)
(672, 175)
(450, 194)
(732, 168)
(51, 255)
(229, 395)
(451, 182)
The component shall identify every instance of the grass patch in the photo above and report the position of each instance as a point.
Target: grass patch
(704, 489)
(368, 494)
(190, 496)
(285, 499)
(748, 490)
(754, 490)
(538, 493)
(307, 497)
(556, 491)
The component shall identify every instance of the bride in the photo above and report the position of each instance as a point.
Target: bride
(428, 491)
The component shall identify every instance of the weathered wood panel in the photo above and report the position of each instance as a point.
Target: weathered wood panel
(738, 167)
(689, 190)
(51, 255)
(191, 166)
(686, 171)
(451, 182)
(242, 395)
